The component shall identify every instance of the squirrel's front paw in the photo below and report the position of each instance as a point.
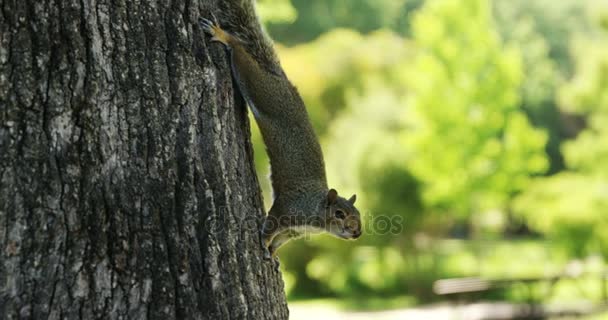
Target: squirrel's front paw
(213, 28)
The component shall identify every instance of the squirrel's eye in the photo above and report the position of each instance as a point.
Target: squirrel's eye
(340, 214)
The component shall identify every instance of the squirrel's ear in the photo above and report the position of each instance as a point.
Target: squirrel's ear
(332, 195)
(353, 199)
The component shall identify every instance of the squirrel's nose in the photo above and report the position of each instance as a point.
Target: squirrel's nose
(356, 234)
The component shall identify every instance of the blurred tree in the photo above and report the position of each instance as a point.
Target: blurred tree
(340, 63)
(570, 207)
(542, 30)
(556, 21)
(319, 16)
(474, 147)
(276, 11)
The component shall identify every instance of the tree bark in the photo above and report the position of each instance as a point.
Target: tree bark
(127, 185)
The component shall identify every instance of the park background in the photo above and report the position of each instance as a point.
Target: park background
(481, 125)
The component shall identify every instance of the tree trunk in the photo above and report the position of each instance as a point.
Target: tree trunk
(127, 185)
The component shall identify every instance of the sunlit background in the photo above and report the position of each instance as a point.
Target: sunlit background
(481, 126)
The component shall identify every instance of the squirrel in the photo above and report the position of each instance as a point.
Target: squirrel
(303, 203)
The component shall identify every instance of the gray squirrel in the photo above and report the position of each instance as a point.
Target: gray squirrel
(302, 201)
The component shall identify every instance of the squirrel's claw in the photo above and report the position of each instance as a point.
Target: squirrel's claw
(207, 25)
(267, 254)
(215, 20)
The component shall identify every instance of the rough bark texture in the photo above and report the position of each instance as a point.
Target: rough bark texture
(127, 186)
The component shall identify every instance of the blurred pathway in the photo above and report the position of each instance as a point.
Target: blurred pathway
(476, 311)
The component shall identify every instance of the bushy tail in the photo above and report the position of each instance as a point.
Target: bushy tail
(240, 19)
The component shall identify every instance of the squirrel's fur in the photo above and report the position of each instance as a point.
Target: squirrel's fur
(302, 201)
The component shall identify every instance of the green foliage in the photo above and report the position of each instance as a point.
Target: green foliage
(276, 11)
(320, 16)
(587, 95)
(543, 31)
(569, 207)
(556, 21)
(337, 65)
(473, 146)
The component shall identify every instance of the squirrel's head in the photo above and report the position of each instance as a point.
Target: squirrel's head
(342, 218)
